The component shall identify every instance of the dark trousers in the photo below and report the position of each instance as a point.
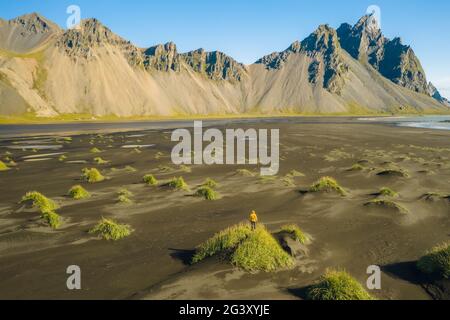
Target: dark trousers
(253, 225)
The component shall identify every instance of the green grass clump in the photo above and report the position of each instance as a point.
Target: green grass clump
(150, 180)
(92, 175)
(100, 161)
(295, 173)
(244, 173)
(222, 242)
(210, 183)
(356, 167)
(45, 205)
(261, 252)
(178, 184)
(38, 200)
(436, 262)
(111, 230)
(62, 158)
(78, 192)
(295, 232)
(95, 150)
(388, 204)
(338, 285)
(124, 195)
(207, 193)
(52, 219)
(388, 192)
(250, 250)
(3, 166)
(327, 184)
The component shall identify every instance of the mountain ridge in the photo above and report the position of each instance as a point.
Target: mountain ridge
(93, 70)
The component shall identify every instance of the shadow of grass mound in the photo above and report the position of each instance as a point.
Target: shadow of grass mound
(336, 285)
(395, 173)
(435, 197)
(438, 289)
(246, 249)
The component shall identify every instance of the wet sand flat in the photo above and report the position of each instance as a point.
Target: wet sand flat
(153, 262)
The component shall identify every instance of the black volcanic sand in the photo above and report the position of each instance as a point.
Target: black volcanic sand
(152, 263)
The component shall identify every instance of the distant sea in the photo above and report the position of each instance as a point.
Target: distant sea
(427, 122)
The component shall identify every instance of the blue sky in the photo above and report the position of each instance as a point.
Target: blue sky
(250, 29)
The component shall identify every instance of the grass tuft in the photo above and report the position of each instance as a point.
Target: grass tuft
(150, 180)
(92, 175)
(210, 183)
(45, 205)
(327, 184)
(52, 219)
(62, 158)
(356, 167)
(250, 250)
(221, 242)
(207, 193)
(244, 173)
(338, 285)
(178, 184)
(38, 200)
(387, 204)
(388, 192)
(111, 230)
(261, 252)
(295, 232)
(99, 161)
(95, 150)
(436, 262)
(3, 166)
(78, 192)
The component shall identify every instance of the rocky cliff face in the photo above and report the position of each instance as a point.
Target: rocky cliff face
(49, 71)
(215, 65)
(391, 58)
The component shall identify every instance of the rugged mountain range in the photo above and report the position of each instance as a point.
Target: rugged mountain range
(49, 71)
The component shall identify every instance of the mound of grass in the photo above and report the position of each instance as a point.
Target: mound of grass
(327, 184)
(78, 192)
(111, 230)
(387, 192)
(295, 232)
(99, 160)
(207, 193)
(436, 262)
(244, 173)
(3, 166)
(95, 150)
(52, 219)
(45, 205)
(92, 175)
(150, 180)
(261, 252)
(222, 242)
(210, 183)
(130, 169)
(294, 173)
(184, 168)
(38, 200)
(433, 196)
(383, 203)
(337, 285)
(356, 167)
(178, 184)
(62, 158)
(268, 179)
(246, 249)
(124, 195)
(393, 173)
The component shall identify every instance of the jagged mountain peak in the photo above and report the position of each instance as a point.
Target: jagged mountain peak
(34, 23)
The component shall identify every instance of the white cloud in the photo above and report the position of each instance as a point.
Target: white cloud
(443, 85)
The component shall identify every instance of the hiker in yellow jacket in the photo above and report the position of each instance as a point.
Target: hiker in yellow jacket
(253, 219)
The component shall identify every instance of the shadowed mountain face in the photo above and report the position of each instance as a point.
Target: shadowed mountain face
(355, 69)
(391, 58)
